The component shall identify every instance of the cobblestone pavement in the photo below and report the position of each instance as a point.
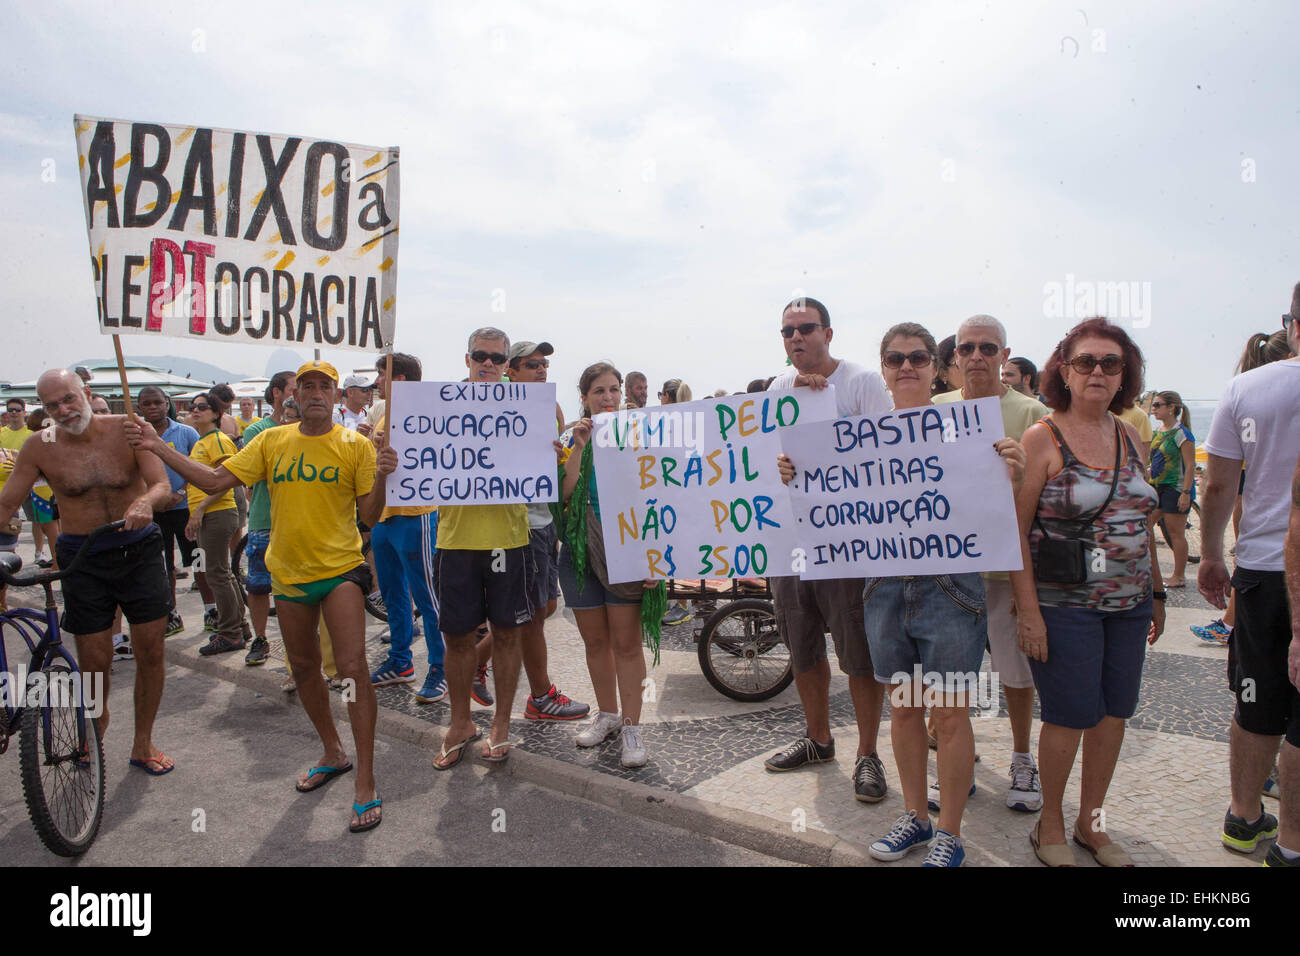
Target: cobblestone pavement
(1165, 805)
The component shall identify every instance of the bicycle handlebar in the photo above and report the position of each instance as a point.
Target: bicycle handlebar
(45, 576)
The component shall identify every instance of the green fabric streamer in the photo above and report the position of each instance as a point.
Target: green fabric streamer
(654, 604)
(575, 520)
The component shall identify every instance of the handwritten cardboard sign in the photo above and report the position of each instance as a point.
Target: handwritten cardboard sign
(693, 490)
(913, 491)
(236, 236)
(473, 443)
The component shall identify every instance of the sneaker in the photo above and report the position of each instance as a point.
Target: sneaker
(1025, 793)
(434, 689)
(634, 754)
(258, 652)
(390, 673)
(946, 850)
(554, 706)
(175, 624)
(676, 614)
(1244, 837)
(802, 751)
(479, 690)
(905, 837)
(869, 779)
(376, 601)
(210, 620)
(1271, 785)
(221, 645)
(932, 795)
(599, 730)
(288, 685)
(1274, 857)
(1215, 632)
(122, 648)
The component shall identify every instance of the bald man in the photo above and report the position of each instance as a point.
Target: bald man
(98, 478)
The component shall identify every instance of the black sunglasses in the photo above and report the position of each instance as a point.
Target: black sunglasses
(805, 328)
(1287, 319)
(1110, 364)
(200, 408)
(919, 359)
(497, 358)
(537, 363)
(987, 349)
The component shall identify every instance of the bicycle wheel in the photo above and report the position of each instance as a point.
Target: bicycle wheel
(741, 652)
(65, 794)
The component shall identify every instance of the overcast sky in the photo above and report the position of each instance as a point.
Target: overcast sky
(649, 183)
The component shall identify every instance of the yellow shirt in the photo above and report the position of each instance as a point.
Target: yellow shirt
(244, 424)
(209, 450)
(314, 482)
(13, 439)
(1139, 420)
(405, 510)
(482, 527)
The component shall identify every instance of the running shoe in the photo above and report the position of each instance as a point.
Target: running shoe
(210, 620)
(805, 750)
(932, 796)
(599, 730)
(479, 690)
(634, 754)
(1274, 857)
(1215, 632)
(175, 624)
(221, 645)
(869, 779)
(122, 648)
(258, 652)
(905, 837)
(554, 706)
(946, 850)
(434, 689)
(1025, 793)
(390, 673)
(1244, 837)
(676, 615)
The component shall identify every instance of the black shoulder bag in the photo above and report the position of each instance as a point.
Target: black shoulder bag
(1065, 560)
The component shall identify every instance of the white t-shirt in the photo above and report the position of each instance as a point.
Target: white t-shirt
(348, 418)
(858, 391)
(1255, 423)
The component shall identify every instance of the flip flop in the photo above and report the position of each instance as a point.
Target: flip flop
(329, 772)
(144, 765)
(458, 750)
(492, 748)
(361, 808)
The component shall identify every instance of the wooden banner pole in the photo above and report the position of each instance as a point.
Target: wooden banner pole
(388, 405)
(121, 371)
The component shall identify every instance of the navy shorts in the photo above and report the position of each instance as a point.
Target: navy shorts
(1169, 500)
(544, 545)
(1094, 664)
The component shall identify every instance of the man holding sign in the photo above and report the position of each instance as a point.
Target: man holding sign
(805, 610)
(320, 476)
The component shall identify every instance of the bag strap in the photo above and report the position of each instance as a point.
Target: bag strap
(1083, 523)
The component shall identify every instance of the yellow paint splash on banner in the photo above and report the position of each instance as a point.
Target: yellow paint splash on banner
(322, 260)
(81, 161)
(141, 267)
(373, 159)
(284, 262)
(269, 255)
(388, 303)
(365, 246)
(257, 199)
(82, 127)
(118, 188)
(386, 264)
(329, 188)
(189, 131)
(123, 161)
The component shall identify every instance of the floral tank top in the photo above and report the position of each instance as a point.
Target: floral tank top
(1119, 577)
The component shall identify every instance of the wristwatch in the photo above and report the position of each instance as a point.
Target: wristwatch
(1159, 595)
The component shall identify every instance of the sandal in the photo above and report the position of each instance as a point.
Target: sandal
(1051, 854)
(145, 765)
(361, 808)
(458, 751)
(329, 774)
(489, 752)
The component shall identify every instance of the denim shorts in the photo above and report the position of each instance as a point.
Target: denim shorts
(594, 593)
(257, 578)
(1094, 664)
(932, 623)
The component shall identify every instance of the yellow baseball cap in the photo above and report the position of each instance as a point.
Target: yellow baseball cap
(316, 365)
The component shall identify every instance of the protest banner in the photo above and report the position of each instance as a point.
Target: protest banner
(693, 490)
(234, 236)
(473, 443)
(913, 491)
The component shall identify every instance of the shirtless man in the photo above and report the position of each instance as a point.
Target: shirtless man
(97, 478)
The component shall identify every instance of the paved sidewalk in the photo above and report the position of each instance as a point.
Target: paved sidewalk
(706, 771)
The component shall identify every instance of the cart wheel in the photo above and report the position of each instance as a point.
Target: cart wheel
(741, 651)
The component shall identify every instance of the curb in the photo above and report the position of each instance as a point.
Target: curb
(740, 828)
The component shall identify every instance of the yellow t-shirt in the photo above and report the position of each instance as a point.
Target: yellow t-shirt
(404, 510)
(482, 527)
(314, 482)
(209, 450)
(244, 424)
(13, 438)
(1139, 420)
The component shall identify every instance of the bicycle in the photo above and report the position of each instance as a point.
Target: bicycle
(60, 754)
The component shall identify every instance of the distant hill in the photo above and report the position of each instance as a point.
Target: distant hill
(177, 365)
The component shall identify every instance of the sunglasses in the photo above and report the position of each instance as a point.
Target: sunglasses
(200, 408)
(805, 328)
(1287, 319)
(919, 359)
(535, 364)
(496, 358)
(987, 349)
(1159, 404)
(1084, 364)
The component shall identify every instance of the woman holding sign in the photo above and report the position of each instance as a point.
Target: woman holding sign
(609, 615)
(1090, 598)
(934, 625)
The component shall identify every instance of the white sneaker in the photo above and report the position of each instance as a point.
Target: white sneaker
(932, 795)
(122, 648)
(1025, 793)
(634, 754)
(599, 730)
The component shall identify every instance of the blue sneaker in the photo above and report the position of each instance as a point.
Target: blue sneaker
(1214, 633)
(390, 673)
(434, 689)
(946, 850)
(905, 837)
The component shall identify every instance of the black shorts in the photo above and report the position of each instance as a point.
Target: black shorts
(1267, 702)
(544, 545)
(471, 591)
(172, 525)
(1168, 500)
(131, 576)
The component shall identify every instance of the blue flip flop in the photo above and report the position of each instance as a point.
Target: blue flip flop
(361, 808)
(144, 765)
(329, 772)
